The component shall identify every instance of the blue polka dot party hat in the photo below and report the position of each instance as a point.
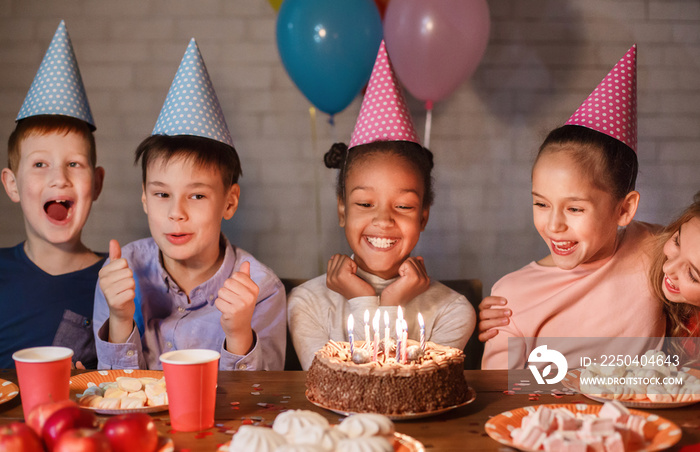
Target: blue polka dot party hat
(191, 107)
(58, 88)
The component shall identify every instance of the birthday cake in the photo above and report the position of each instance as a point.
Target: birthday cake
(419, 382)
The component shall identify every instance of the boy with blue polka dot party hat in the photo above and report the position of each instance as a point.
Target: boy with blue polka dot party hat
(48, 281)
(186, 286)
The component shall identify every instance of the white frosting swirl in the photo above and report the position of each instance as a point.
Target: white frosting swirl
(291, 422)
(370, 444)
(259, 439)
(367, 424)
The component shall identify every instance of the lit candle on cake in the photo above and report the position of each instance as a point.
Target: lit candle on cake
(387, 334)
(398, 339)
(375, 325)
(351, 325)
(367, 328)
(422, 332)
(404, 340)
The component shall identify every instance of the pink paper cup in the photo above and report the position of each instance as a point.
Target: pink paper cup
(190, 379)
(43, 374)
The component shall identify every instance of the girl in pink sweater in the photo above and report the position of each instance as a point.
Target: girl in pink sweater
(593, 283)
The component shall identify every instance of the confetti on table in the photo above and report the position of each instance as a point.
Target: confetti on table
(534, 398)
(235, 403)
(247, 422)
(509, 392)
(286, 397)
(255, 393)
(202, 435)
(284, 401)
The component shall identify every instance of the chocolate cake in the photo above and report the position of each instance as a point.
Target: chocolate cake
(425, 383)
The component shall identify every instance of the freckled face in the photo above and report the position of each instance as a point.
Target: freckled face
(577, 220)
(383, 213)
(682, 266)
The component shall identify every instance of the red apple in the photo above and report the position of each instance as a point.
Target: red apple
(82, 440)
(133, 432)
(39, 414)
(66, 419)
(18, 437)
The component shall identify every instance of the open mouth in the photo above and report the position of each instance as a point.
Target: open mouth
(563, 247)
(58, 209)
(670, 286)
(381, 242)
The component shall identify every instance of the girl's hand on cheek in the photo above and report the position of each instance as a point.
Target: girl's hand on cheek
(341, 277)
(413, 280)
(490, 317)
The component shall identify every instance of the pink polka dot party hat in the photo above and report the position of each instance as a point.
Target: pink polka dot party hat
(58, 88)
(191, 107)
(383, 115)
(612, 107)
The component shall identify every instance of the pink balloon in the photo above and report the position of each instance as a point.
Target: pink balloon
(435, 45)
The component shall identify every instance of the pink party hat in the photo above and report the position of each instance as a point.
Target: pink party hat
(384, 115)
(612, 107)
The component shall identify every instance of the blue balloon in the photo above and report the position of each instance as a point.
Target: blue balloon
(328, 48)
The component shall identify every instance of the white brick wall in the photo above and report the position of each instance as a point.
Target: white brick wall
(544, 57)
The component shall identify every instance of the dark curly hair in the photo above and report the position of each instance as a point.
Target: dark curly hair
(343, 159)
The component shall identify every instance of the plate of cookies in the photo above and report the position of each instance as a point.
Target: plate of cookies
(120, 391)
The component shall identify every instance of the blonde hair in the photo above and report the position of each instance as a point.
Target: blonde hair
(677, 314)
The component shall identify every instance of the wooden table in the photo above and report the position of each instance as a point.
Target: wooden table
(260, 396)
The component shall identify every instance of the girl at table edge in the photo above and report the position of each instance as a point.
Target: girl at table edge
(583, 207)
(675, 279)
(384, 195)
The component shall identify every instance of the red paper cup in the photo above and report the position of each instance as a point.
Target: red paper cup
(43, 374)
(190, 379)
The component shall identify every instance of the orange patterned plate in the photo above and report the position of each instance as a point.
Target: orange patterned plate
(499, 427)
(402, 443)
(572, 381)
(79, 383)
(8, 391)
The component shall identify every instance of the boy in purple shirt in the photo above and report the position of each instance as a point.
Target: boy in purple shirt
(187, 286)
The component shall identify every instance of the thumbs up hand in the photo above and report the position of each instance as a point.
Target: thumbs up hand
(236, 301)
(119, 288)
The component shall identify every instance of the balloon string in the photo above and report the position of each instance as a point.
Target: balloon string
(317, 193)
(428, 123)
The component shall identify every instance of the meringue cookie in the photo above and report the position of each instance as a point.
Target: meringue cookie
(290, 422)
(299, 448)
(369, 444)
(324, 437)
(259, 439)
(367, 424)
